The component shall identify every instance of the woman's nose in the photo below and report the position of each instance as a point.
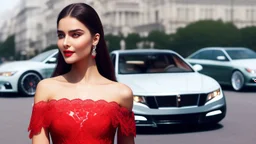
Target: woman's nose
(66, 42)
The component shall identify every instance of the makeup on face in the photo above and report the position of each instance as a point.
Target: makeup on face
(74, 40)
(68, 53)
(73, 33)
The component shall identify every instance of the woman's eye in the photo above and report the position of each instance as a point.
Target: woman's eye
(60, 36)
(75, 35)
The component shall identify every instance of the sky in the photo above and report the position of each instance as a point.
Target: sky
(7, 5)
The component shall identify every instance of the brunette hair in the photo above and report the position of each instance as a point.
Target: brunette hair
(89, 17)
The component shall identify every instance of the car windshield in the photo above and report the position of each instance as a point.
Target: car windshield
(241, 54)
(41, 57)
(140, 63)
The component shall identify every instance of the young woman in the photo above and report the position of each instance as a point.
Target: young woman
(82, 103)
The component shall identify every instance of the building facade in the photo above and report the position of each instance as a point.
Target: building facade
(36, 20)
(7, 29)
(7, 25)
(28, 27)
(173, 14)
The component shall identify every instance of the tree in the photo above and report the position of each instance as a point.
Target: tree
(161, 39)
(7, 48)
(131, 40)
(205, 33)
(248, 37)
(54, 46)
(113, 42)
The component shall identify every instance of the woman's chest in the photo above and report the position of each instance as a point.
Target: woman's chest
(94, 121)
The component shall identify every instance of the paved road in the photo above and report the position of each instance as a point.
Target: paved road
(239, 126)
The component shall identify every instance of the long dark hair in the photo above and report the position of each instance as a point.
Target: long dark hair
(89, 17)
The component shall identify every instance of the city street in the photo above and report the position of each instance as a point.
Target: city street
(173, 54)
(238, 127)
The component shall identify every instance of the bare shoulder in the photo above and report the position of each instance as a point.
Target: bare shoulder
(125, 91)
(44, 90)
(125, 95)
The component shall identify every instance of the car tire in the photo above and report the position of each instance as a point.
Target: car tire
(28, 82)
(237, 80)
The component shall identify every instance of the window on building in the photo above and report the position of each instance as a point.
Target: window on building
(181, 14)
(250, 14)
(157, 16)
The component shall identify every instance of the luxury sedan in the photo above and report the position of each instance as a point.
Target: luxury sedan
(23, 76)
(168, 90)
(229, 66)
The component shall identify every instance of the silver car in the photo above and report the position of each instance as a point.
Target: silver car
(233, 66)
(168, 90)
(23, 76)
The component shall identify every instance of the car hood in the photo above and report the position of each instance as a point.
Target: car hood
(247, 63)
(20, 65)
(168, 84)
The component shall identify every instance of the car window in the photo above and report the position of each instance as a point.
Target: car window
(139, 63)
(241, 54)
(206, 54)
(218, 53)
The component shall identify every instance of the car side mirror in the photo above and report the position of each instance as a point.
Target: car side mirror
(221, 58)
(52, 60)
(197, 67)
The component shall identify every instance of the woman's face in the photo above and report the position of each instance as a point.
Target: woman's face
(75, 40)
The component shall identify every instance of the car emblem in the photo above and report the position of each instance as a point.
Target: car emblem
(178, 100)
(254, 79)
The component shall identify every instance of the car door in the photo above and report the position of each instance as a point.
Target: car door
(221, 66)
(204, 58)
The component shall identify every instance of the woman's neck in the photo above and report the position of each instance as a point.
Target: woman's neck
(84, 72)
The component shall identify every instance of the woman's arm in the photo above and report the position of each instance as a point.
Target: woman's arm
(42, 137)
(42, 93)
(126, 101)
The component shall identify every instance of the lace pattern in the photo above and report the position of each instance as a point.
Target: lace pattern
(81, 120)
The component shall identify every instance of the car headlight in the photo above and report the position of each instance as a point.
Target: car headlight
(139, 99)
(253, 71)
(213, 94)
(7, 73)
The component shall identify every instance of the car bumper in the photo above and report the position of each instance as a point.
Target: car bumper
(250, 80)
(215, 115)
(8, 84)
(209, 113)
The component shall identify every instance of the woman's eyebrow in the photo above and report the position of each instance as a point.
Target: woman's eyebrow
(75, 30)
(60, 31)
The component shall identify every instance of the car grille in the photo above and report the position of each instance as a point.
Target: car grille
(176, 118)
(176, 101)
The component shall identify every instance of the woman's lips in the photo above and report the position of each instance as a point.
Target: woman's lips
(68, 53)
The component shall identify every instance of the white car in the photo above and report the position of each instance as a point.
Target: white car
(23, 76)
(168, 90)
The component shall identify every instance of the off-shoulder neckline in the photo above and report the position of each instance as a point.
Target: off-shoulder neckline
(80, 100)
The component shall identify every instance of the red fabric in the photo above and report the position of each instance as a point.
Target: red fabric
(81, 121)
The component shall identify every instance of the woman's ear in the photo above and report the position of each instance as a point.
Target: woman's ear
(96, 39)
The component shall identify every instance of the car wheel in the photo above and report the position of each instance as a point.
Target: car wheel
(28, 82)
(237, 80)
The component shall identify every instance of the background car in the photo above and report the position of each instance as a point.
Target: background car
(167, 90)
(23, 76)
(229, 66)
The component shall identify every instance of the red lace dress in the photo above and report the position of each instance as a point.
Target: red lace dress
(81, 121)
